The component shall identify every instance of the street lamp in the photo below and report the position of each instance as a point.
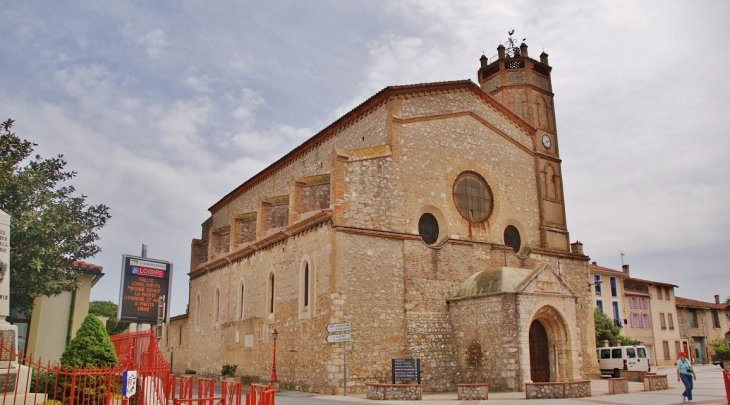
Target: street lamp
(273, 379)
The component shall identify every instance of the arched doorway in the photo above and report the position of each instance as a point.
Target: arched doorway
(539, 353)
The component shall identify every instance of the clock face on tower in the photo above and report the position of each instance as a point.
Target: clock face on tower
(546, 142)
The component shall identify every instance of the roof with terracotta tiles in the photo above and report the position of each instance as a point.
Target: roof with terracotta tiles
(596, 267)
(686, 302)
(659, 283)
(90, 268)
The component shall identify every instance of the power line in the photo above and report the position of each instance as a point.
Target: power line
(698, 278)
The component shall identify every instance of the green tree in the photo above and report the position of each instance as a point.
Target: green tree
(50, 227)
(109, 310)
(607, 330)
(719, 346)
(90, 347)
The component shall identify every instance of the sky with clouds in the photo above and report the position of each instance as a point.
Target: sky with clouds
(164, 107)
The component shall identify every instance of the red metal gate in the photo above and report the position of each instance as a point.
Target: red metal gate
(35, 382)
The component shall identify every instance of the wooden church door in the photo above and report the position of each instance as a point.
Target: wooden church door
(539, 353)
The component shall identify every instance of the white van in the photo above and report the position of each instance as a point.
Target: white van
(613, 359)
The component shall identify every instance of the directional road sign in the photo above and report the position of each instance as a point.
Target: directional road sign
(338, 327)
(343, 337)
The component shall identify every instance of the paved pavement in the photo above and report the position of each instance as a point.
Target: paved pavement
(709, 388)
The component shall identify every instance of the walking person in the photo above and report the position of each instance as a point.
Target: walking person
(686, 374)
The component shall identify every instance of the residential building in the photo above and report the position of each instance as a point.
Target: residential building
(651, 314)
(56, 319)
(699, 323)
(607, 288)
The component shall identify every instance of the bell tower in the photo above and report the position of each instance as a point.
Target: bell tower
(523, 85)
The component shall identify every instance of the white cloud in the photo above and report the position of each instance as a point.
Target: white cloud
(155, 42)
(162, 135)
(200, 84)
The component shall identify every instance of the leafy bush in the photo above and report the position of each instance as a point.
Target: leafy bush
(108, 309)
(229, 370)
(190, 371)
(607, 330)
(250, 379)
(90, 347)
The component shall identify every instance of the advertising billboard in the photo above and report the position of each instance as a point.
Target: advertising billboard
(144, 280)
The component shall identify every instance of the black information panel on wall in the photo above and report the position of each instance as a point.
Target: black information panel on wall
(143, 281)
(406, 370)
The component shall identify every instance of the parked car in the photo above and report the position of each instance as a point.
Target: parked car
(613, 359)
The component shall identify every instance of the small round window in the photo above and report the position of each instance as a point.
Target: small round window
(428, 228)
(512, 238)
(473, 197)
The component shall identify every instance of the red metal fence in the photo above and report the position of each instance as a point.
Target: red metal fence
(726, 379)
(139, 351)
(260, 395)
(26, 381)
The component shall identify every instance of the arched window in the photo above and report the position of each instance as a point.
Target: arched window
(271, 290)
(306, 285)
(241, 295)
(473, 197)
(428, 228)
(550, 182)
(307, 288)
(197, 310)
(217, 306)
(512, 238)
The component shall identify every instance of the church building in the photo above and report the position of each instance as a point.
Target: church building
(430, 218)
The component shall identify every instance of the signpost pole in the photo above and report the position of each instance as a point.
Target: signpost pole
(143, 254)
(344, 351)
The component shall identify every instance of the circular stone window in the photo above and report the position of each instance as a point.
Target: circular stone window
(428, 228)
(512, 238)
(473, 197)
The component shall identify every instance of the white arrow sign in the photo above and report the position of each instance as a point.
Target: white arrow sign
(338, 327)
(343, 337)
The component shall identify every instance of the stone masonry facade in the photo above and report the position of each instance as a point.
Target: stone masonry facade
(361, 223)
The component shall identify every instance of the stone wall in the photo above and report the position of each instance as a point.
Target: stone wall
(486, 321)
(618, 386)
(394, 392)
(574, 389)
(656, 382)
(472, 392)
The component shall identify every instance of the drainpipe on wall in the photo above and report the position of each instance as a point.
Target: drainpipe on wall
(72, 309)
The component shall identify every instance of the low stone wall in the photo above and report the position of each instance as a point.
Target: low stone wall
(472, 392)
(397, 392)
(566, 389)
(634, 375)
(618, 386)
(656, 382)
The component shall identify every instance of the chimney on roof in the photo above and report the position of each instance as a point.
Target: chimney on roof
(717, 299)
(626, 270)
(576, 248)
